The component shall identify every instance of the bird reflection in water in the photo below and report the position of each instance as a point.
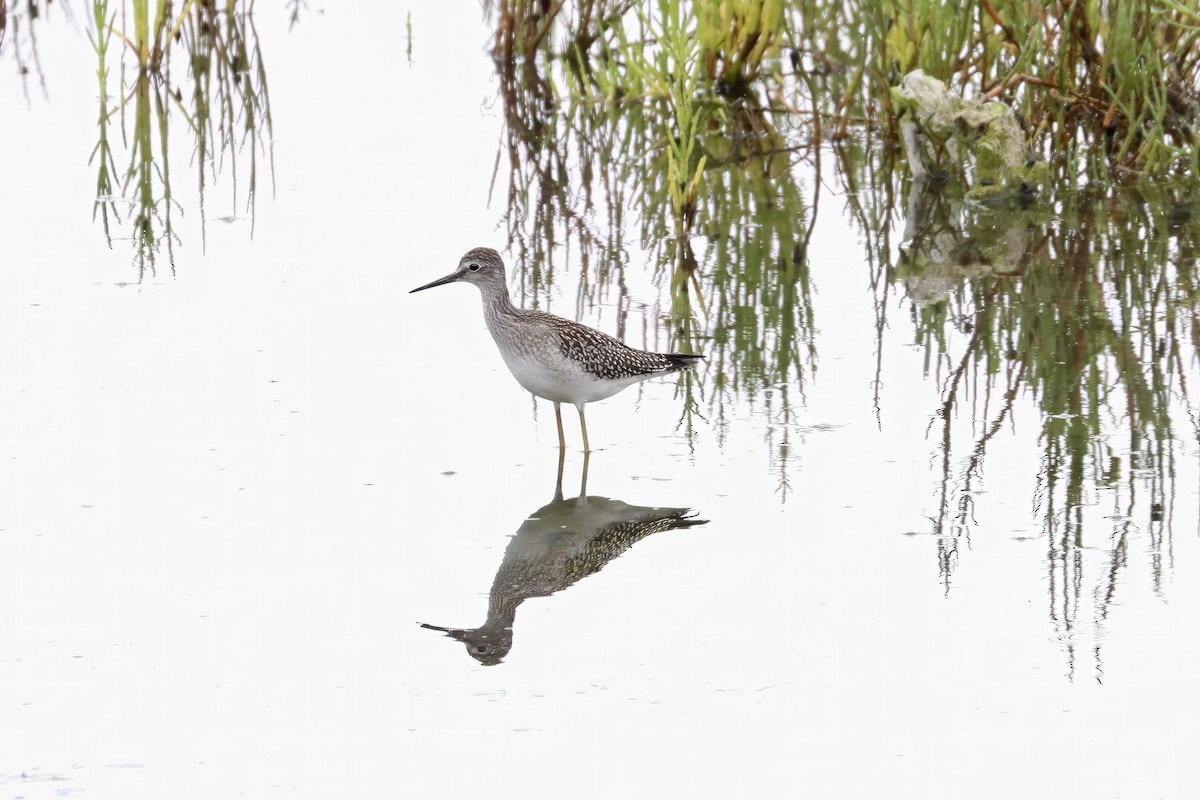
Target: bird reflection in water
(559, 544)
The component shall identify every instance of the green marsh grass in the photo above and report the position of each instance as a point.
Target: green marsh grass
(1107, 92)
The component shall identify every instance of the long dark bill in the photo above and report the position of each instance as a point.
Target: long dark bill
(453, 633)
(451, 278)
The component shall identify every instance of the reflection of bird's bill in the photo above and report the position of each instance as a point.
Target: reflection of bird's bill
(448, 279)
(454, 633)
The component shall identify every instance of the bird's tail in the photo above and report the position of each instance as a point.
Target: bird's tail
(678, 361)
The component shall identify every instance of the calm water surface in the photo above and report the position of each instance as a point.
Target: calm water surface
(946, 548)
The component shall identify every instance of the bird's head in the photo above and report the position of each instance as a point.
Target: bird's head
(481, 266)
(487, 645)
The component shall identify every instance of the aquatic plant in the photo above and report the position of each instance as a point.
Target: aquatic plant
(1105, 91)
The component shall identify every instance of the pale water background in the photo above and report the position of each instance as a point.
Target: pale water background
(230, 491)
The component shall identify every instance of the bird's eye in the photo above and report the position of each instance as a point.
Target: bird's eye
(473, 267)
(480, 648)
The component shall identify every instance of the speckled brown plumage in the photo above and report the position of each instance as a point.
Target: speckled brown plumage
(596, 353)
(558, 545)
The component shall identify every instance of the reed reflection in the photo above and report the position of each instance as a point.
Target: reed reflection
(223, 101)
(559, 544)
(18, 39)
(630, 129)
(706, 186)
(1092, 314)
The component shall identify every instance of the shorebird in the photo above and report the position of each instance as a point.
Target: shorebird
(554, 358)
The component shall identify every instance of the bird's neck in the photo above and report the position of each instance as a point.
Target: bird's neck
(502, 611)
(496, 303)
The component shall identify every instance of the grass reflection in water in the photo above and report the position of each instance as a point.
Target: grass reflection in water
(1093, 315)
(629, 128)
(223, 100)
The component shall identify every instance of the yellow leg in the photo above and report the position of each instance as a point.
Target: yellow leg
(562, 443)
(562, 459)
(587, 448)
